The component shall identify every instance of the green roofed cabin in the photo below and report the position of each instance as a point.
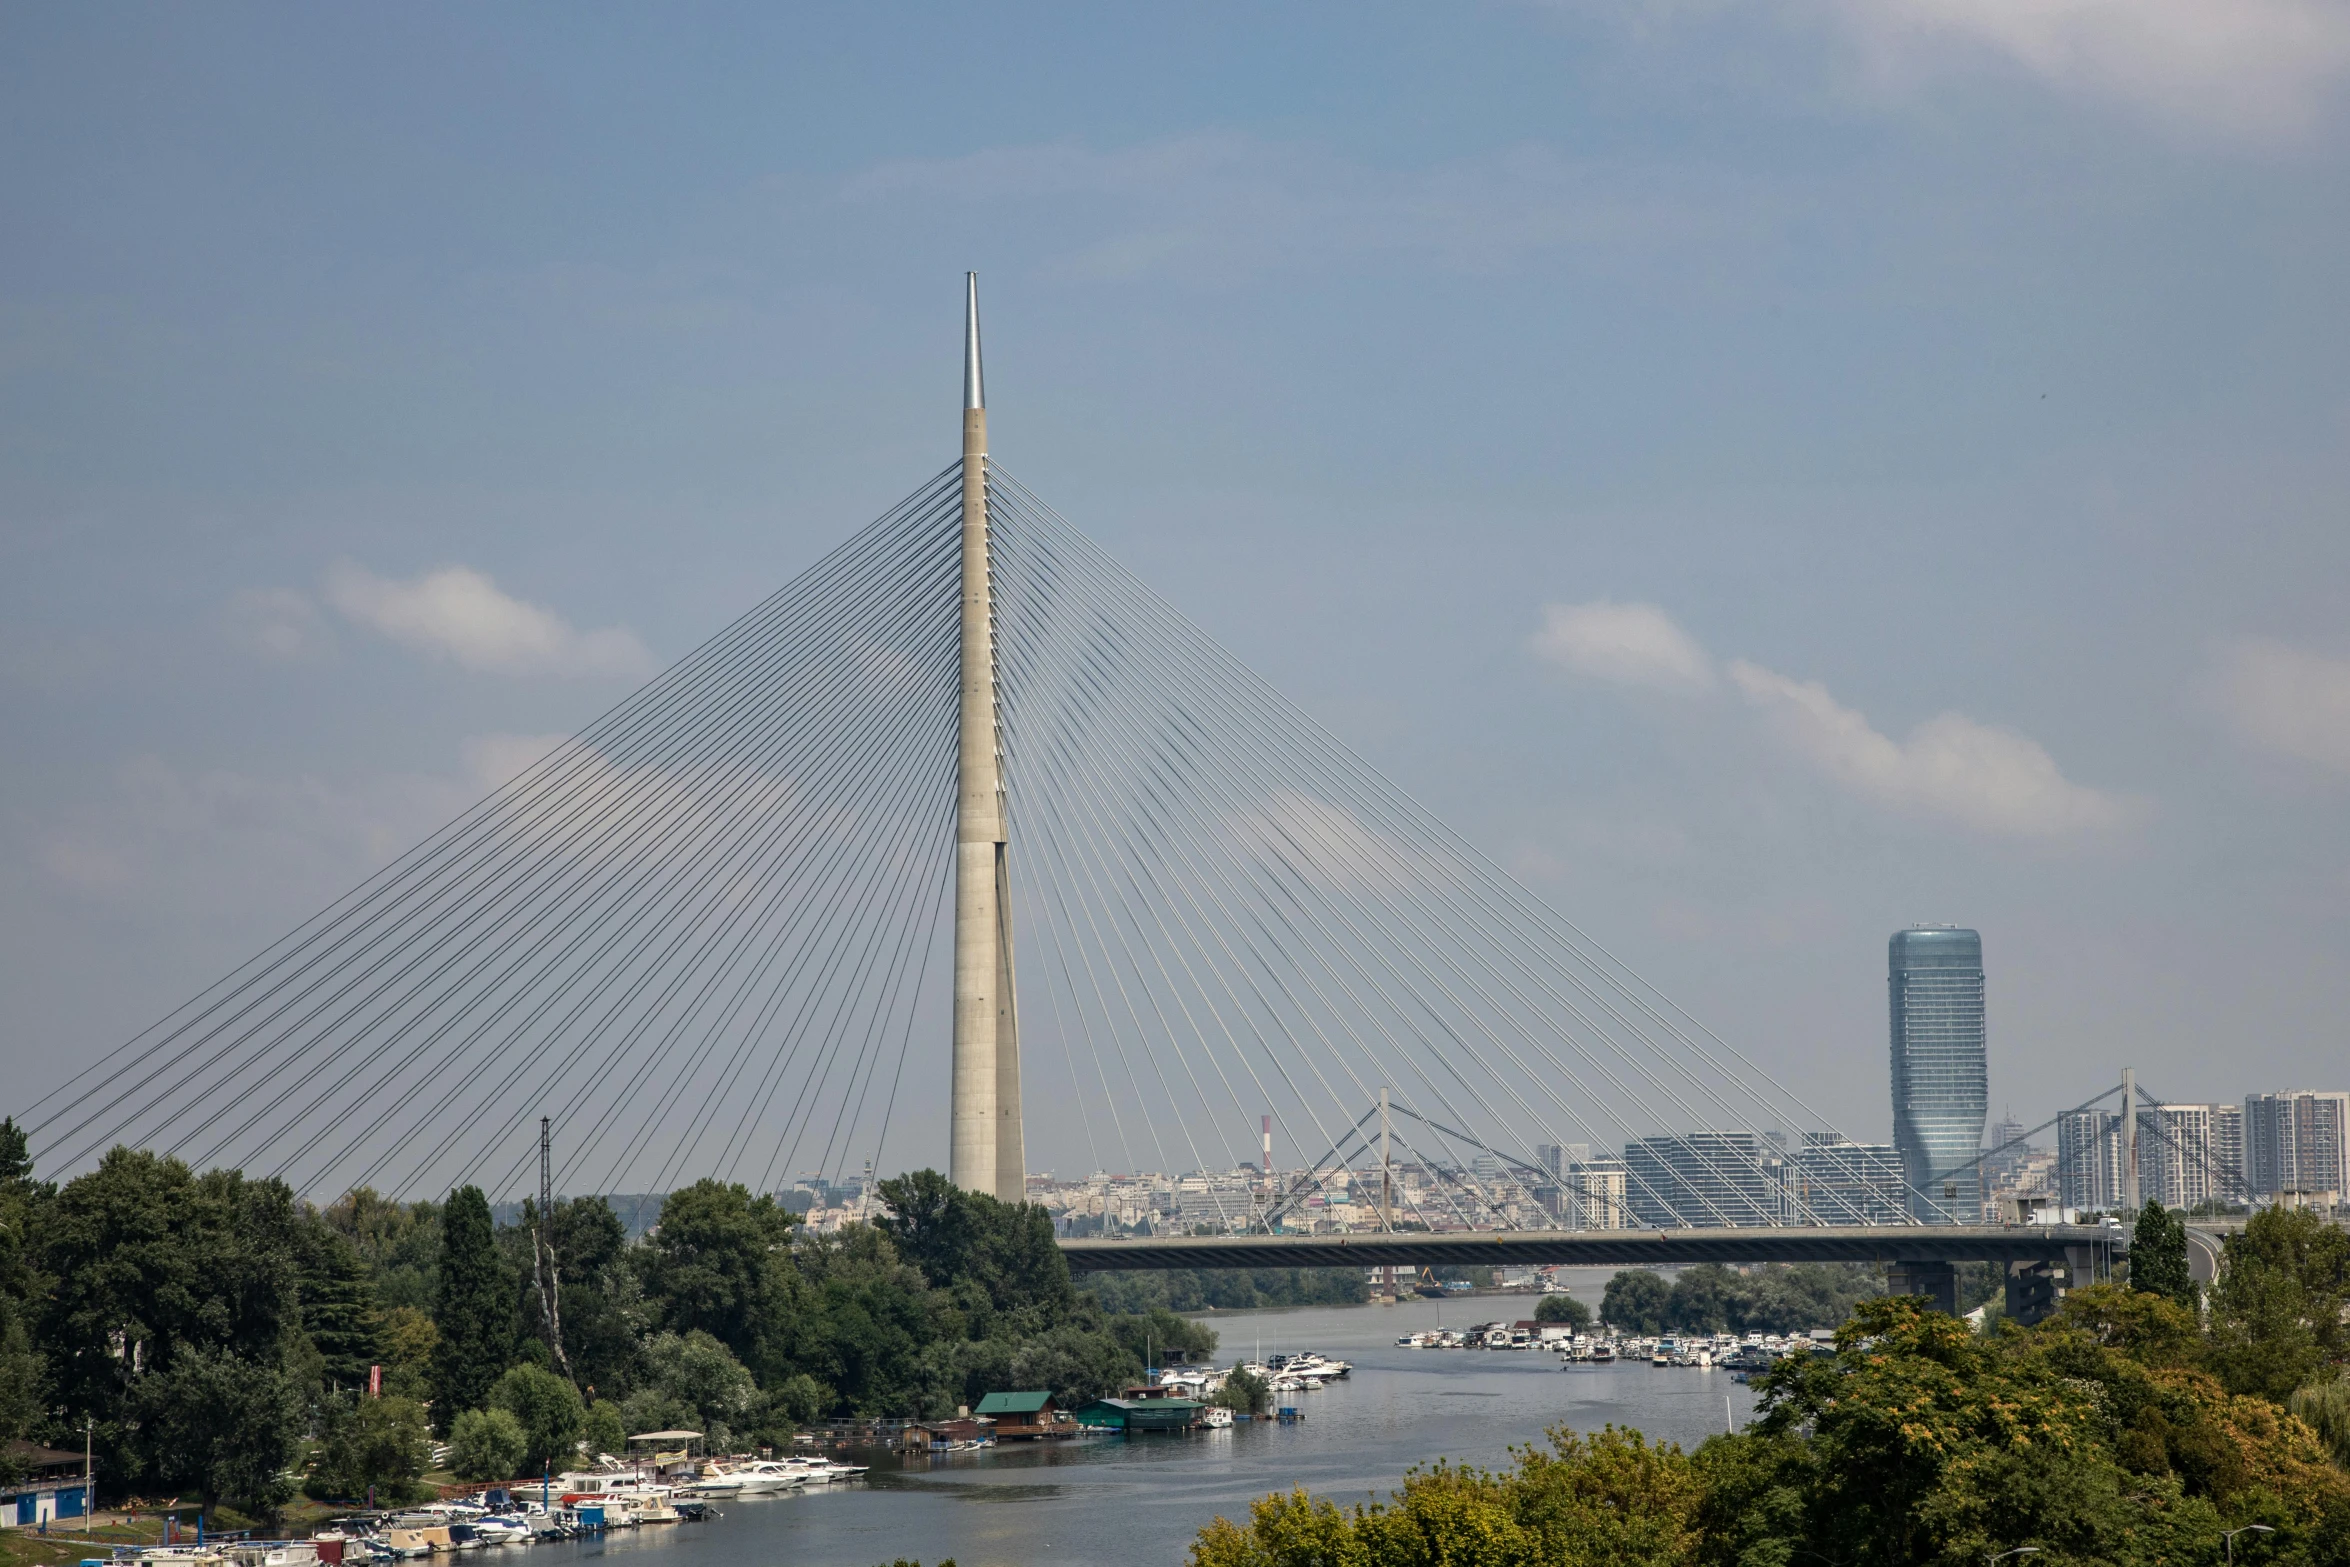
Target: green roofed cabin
(1141, 1414)
(1025, 1417)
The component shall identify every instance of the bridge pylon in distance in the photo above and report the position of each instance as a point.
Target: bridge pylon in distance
(987, 1151)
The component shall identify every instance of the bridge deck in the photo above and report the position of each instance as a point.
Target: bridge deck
(1601, 1248)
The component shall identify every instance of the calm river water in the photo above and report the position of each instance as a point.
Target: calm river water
(1141, 1499)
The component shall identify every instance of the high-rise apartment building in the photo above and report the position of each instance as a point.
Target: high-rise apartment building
(1591, 1195)
(2089, 1160)
(2191, 1154)
(1704, 1179)
(1832, 1180)
(1941, 1075)
(2297, 1146)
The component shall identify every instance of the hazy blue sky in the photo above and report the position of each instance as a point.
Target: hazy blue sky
(1768, 470)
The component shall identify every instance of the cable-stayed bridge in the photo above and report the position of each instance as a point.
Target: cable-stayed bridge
(728, 927)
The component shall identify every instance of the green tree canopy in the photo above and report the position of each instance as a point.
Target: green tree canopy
(2277, 1307)
(702, 1375)
(997, 1257)
(720, 1264)
(473, 1310)
(220, 1424)
(487, 1444)
(549, 1411)
(151, 1262)
(1610, 1500)
(604, 1431)
(338, 1303)
(1565, 1308)
(379, 1445)
(1635, 1300)
(2158, 1255)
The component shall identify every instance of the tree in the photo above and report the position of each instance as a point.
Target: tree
(221, 1425)
(702, 1375)
(1706, 1298)
(2158, 1255)
(1608, 1499)
(547, 1408)
(1077, 1364)
(2277, 1307)
(997, 1258)
(1147, 1336)
(602, 1298)
(487, 1444)
(373, 1445)
(602, 1430)
(22, 1286)
(1244, 1392)
(650, 1409)
(719, 1263)
(1635, 1301)
(151, 1262)
(2324, 1407)
(1564, 1308)
(473, 1310)
(399, 1242)
(408, 1338)
(338, 1303)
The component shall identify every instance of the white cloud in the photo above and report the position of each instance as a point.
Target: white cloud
(496, 760)
(1993, 780)
(1628, 644)
(459, 613)
(278, 623)
(2284, 700)
(2262, 67)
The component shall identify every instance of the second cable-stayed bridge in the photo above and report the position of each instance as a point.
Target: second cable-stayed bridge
(967, 806)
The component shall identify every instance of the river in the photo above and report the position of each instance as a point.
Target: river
(1141, 1499)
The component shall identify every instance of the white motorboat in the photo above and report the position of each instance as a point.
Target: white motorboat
(1215, 1417)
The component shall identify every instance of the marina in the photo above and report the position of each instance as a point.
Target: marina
(1143, 1496)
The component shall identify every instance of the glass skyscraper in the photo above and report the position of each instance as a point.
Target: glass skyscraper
(1941, 1075)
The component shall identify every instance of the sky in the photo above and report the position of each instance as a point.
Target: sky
(1767, 471)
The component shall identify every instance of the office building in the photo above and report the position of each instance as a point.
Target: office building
(1704, 1179)
(1941, 1076)
(2295, 1148)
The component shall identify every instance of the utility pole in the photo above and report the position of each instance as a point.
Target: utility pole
(543, 1246)
(986, 1150)
(2130, 1138)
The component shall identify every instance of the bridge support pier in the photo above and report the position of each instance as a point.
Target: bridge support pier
(2031, 1292)
(1937, 1281)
